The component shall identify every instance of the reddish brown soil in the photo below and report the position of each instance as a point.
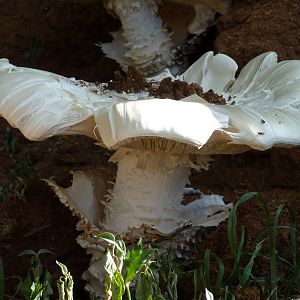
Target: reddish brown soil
(133, 81)
(60, 36)
(180, 89)
(256, 26)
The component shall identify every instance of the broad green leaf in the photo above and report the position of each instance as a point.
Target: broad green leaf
(107, 235)
(27, 252)
(135, 259)
(110, 238)
(45, 251)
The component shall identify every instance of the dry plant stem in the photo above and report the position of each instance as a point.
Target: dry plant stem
(148, 190)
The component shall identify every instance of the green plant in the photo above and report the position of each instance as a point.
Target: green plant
(239, 248)
(37, 284)
(65, 283)
(123, 265)
(168, 274)
(241, 273)
(288, 281)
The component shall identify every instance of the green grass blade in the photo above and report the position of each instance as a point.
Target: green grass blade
(246, 275)
(273, 252)
(221, 270)
(294, 265)
(197, 285)
(207, 268)
(239, 254)
(232, 221)
(293, 234)
(272, 235)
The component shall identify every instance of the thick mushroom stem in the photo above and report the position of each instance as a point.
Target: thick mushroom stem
(143, 41)
(149, 190)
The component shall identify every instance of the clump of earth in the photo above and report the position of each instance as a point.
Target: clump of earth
(133, 81)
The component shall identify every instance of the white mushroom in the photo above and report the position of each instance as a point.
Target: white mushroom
(143, 40)
(157, 141)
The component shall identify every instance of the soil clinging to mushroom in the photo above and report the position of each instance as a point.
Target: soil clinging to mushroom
(133, 81)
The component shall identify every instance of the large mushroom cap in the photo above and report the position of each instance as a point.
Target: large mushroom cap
(42, 104)
(262, 108)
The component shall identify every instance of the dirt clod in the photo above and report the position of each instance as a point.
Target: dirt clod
(131, 81)
(180, 89)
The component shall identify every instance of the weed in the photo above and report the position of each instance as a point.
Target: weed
(65, 283)
(37, 283)
(123, 265)
(168, 274)
(241, 275)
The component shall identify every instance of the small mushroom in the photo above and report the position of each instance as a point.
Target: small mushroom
(156, 141)
(144, 41)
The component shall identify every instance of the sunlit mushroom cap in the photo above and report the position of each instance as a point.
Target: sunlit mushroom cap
(261, 110)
